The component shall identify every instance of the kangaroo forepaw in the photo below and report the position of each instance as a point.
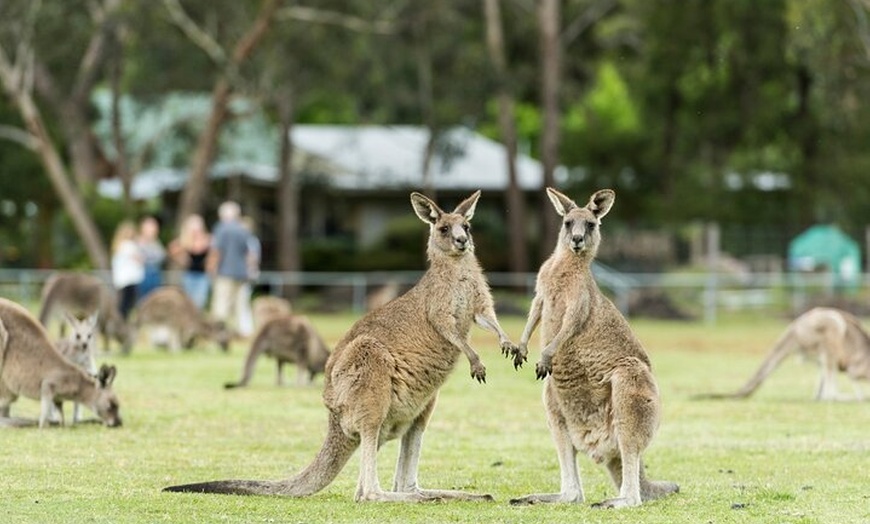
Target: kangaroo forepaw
(478, 372)
(518, 352)
(543, 368)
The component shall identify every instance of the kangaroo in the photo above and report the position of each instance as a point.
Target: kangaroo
(599, 391)
(78, 348)
(31, 366)
(832, 337)
(382, 380)
(169, 307)
(287, 338)
(81, 294)
(266, 307)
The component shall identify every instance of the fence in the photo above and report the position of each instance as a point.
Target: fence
(699, 295)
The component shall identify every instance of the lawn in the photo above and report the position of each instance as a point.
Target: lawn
(776, 457)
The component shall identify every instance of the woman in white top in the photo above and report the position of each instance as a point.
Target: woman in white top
(128, 266)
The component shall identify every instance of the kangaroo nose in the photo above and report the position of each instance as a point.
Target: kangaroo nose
(462, 240)
(577, 239)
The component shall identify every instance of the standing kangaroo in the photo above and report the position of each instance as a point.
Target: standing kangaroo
(383, 378)
(832, 337)
(81, 294)
(78, 348)
(31, 366)
(287, 338)
(600, 395)
(170, 307)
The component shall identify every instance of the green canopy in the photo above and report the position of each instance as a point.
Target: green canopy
(826, 247)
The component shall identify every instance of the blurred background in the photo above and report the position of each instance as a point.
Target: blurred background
(735, 133)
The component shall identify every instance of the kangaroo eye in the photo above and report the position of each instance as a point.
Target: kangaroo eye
(444, 229)
(569, 224)
(466, 227)
(591, 226)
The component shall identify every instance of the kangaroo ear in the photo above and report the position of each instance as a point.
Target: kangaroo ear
(601, 202)
(427, 210)
(106, 375)
(562, 203)
(467, 206)
(92, 320)
(70, 319)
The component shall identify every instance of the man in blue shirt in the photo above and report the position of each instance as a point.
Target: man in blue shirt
(228, 262)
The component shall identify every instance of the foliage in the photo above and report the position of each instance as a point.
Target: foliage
(777, 457)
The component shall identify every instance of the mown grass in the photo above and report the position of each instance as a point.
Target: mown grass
(777, 457)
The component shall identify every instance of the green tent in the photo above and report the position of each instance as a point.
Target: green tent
(826, 247)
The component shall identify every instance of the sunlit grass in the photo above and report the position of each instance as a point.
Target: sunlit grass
(777, 457)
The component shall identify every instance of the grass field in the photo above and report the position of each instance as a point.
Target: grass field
(778, 457)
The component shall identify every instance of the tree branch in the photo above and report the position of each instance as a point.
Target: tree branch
(96, 50)
(194, 33)
(383, 26)
(590, 16)
(19, 136)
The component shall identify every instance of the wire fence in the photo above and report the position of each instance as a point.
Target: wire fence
(696, 295)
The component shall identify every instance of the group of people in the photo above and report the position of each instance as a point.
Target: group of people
(225, 262)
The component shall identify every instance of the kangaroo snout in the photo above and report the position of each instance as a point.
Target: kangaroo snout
(578, 242)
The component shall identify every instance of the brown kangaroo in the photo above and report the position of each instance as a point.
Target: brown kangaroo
(600, 397)
(80, 295)
(31, 366)
(171, 308)
(832, 337)
(382, 380)
(287, 338)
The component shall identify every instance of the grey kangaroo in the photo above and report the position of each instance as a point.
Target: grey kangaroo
(599, 390)
(383, 378)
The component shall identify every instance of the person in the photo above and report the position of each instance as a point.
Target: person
(128, 266)
(189, 251)
(228, 262)
(244, 314)
(153, 252)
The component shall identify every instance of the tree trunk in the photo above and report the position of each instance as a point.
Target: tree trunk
(516, 207)
(194, 192)
(549, 17)
(66, 191)
(288, 191)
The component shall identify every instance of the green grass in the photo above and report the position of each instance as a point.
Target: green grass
(778, 457)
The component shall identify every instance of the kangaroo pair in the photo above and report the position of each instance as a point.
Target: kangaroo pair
(383, 378)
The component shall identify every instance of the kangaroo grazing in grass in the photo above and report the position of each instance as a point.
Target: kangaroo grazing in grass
(287, 338)
(31, 366)
(81, 294)
(832, 337)
(599, 391)
(169, 307)
(266, 307)
(78, 348)
(382, 380)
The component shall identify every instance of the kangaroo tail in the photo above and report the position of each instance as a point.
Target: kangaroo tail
(258, 346)
(781, 349)
(48, 292)
(336, 450)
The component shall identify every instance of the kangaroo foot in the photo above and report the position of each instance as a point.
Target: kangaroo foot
(548, 498)
(616, 503)
(451, 494)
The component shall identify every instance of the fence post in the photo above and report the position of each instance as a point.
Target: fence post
(710, 293)
(359, 292)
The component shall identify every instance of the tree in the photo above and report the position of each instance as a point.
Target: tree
(516, 207)
(194, 191)
(549, 24)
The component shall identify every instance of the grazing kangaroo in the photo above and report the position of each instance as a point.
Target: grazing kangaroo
(81, 294)
(78, 348)
(832, 337)
(31, 366)
(600, 396)
(170, 307)
(383, 378)
(287, 338)
(266, 307)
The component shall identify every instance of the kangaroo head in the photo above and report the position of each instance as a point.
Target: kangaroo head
(579, 233)
(449, 233)
(221, 333)
(105, 404)
(83, 332)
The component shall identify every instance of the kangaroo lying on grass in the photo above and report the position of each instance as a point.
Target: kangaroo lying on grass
(31, 366)
(170, 307)
(287, 338)
(383, 378)
(78, 348)
(601, 396)
(832, 337)
(81, 294)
